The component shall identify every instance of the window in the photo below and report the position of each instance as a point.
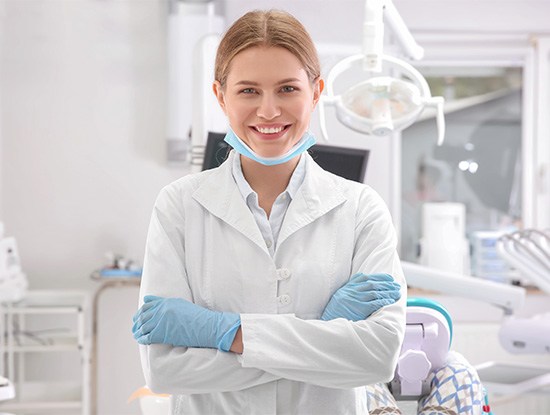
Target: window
(479, 164)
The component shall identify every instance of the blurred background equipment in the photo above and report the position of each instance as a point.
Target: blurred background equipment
(13, 282)
(443, 244)
(391, 94)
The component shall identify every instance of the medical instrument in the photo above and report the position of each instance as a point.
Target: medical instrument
(529, 252)
(179, 322)
(361, 296)
(526, 335)
(487, 263)
(119, 267)
(189, 24)
(381, 104)
(240, 147)
(7, 391)
(13, 282)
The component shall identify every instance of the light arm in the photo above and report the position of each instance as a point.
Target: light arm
(373, 35)
(504, 296)
(402, 32)
(376, 11)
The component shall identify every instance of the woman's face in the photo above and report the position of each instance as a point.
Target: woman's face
(268, 99)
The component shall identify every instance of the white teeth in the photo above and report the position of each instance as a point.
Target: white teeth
(270, 130)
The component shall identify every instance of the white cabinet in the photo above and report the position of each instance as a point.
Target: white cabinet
(45, 351)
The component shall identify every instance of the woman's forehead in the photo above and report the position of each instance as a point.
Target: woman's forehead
(261, 64)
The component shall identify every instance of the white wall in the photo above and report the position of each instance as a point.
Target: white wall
(2, 24)
(341, 20)
(83, 126)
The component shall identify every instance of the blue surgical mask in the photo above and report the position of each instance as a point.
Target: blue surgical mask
(240, 147)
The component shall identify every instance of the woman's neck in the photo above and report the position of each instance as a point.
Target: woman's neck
(268, 181)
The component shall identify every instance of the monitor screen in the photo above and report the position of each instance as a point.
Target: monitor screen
(350, 163)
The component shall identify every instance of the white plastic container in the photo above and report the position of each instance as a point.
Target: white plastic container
(151, 403)
(155, 405)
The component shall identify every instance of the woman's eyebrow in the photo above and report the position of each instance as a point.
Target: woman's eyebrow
(245, 82)
(253, 83)
(288, 80)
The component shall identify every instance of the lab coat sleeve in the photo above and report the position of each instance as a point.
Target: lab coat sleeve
(180, 370)
(338, 353)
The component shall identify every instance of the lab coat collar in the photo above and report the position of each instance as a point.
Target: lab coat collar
(318, 195)
(220, 195)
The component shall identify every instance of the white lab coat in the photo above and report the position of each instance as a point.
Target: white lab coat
(204, 245)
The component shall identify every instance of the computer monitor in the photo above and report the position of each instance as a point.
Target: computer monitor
(350, 163)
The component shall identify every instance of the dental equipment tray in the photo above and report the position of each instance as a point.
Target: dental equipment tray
(512, 379)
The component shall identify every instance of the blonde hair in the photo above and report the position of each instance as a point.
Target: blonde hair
(267, 28)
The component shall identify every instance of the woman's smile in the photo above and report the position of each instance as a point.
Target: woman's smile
(268, 99)
(270, 132)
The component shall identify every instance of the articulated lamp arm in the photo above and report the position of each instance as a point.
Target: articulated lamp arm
(376, 11)
(507, 297)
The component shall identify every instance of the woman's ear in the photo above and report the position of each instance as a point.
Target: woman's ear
(318, 86)
(217, 88)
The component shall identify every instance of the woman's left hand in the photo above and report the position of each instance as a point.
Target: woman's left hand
(179, 322)
(361, 296)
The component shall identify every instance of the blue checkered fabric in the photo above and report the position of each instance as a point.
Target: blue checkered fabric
(455, 387)
(378, 396)
(455, 390)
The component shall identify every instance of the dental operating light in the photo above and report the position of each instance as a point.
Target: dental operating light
(381, 104)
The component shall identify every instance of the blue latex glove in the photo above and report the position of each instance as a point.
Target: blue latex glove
(179, 322)
(361, 296)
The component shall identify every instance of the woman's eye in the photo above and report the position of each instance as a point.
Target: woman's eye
(248, 91)
(288, 89)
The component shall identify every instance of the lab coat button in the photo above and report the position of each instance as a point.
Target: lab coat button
(285, 299)
(268, 243)
(283, 274)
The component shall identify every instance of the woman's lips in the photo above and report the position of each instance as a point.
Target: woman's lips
(270, 132)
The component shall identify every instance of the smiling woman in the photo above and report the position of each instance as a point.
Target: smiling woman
(268, 99)
(269, 285)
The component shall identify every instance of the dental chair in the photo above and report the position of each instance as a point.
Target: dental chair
(428, 337)
(426, 350)
(424, 317)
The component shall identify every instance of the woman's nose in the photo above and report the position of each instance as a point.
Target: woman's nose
(269, 108)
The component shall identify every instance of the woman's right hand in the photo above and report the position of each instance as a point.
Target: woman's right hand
(179, 322)
(361, 296)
